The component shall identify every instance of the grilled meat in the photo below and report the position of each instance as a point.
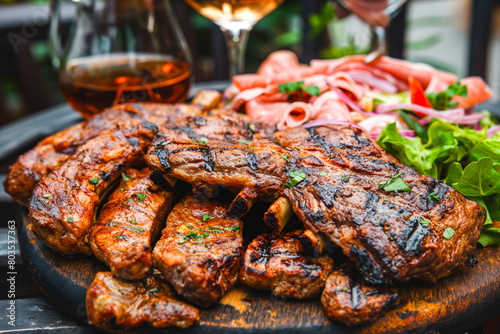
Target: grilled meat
(347, 299)
(277, 263)
(334, 177)
(129, 222)
(200, 250)
(64, 202)
(30, 167)
(133, 303)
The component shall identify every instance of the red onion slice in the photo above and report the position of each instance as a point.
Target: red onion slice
(451, 115)
(345, 98)
(320, 122)
(494, 129)
(372, 81)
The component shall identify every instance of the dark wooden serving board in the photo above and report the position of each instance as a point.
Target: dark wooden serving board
(453, 305)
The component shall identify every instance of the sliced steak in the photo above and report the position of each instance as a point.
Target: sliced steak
(278, 263)
(129, 222)
(334, 177)
(347, 299)
(200, 250)
(133, 303)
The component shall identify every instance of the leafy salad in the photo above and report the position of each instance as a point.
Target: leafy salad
(464, 157)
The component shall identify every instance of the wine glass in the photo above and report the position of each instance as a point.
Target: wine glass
(235, 18)
(378, 14)
(121, 51)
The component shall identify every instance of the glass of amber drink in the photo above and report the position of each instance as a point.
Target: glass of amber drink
(235, 18)
(121, 51)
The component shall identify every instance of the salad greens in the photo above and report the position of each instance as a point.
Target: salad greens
(465, 158)
(442, 100)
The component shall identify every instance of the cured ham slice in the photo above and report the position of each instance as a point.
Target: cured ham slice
(296, 114)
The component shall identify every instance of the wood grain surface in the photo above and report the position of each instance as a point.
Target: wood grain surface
(455, 304)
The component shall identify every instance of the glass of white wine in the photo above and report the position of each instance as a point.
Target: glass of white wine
(235, 18)
(378, 14)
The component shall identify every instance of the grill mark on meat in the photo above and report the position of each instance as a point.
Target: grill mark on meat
(349, 300)
(151, 126)
(208, 157)
(369, 271)
(414, 241)
(134, 142)
(252, 161)
(278, 263)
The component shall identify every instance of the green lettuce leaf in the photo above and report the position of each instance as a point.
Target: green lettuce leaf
(464, 158)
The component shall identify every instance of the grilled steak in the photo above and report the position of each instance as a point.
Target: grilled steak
(64, 203)
(129, 222)
(200, 250)
(277, 263)
(338, 181)
(30, 167)
(133, 303)
(347, 299)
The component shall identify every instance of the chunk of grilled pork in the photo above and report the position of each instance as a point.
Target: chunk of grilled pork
(346, 298)
(200, 250)
(129, 223)
(64, 202)
(337, 179)
(133, 303)
(278, 263)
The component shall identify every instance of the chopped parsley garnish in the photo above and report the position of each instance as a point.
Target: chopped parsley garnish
(153, 291)
(121, 237)
(433, 197)
(251, 147)
(251, 127)
(111, 224)
(442, 100)
(396, 183)
(128, 201)
(125, 177)
(312, 90)
(244, 142)
(346, 178)
(297, 176)
(133, 221)
(425, 222)
(345, 289)
(233, 229)
(193, 236)
(136, 229)
(70, 211)
(70, 219)
(448, 233)
(203, 140)
(94, 180)
(284, 157)
(206, 217)
(323, 174)
(141, 197)
(298, 87)
(47, 195)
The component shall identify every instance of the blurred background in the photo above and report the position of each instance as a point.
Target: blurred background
(436, 32)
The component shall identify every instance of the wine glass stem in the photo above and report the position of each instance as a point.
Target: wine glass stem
(236, 40)
(380, 39)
